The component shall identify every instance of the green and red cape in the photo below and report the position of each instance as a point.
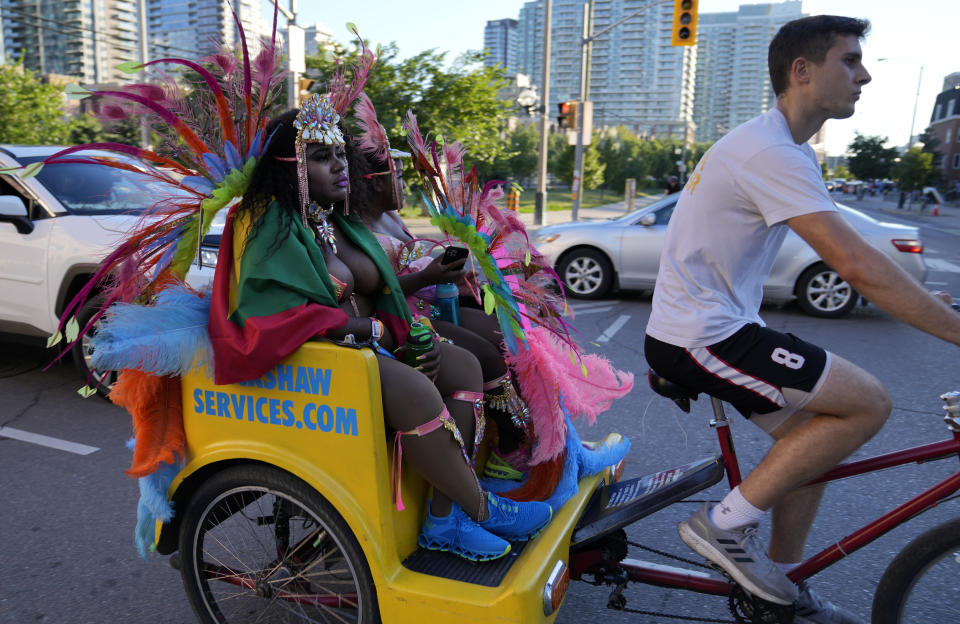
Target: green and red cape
(272, 292)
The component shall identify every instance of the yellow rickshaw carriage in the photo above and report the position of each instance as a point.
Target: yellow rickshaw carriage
(286, 495)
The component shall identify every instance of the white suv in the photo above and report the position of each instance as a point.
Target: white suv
(55, 229)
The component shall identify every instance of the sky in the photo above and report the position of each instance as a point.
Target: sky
(904, 33)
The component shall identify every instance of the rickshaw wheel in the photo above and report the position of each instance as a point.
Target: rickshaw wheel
(260, 545)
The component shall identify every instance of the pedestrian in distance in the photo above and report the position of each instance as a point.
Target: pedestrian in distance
(705, 331)
(673, 186)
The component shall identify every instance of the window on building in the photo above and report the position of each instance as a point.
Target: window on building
(946, 136)
(956, 161)
(936, 111)
(950, 105)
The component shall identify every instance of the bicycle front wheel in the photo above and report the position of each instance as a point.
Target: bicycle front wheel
(922, 584)
(260, 545)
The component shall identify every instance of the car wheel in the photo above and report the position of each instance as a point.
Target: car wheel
(822, 292)
(82, 352)
(586, 273)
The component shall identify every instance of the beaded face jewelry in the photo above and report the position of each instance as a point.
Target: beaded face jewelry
(316, 122)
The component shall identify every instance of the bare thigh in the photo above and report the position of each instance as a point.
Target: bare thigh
(491, 359)
(409, 397)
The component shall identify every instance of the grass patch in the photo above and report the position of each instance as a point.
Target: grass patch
(558, 199)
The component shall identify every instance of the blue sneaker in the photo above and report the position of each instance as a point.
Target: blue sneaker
(513, 521)
(459, 534)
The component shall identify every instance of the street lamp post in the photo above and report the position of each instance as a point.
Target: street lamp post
(588, 37)
(916, 98)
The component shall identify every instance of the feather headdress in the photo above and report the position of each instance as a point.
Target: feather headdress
(211, 136)
(519, 278)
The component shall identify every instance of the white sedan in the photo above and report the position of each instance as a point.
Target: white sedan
(593, 257)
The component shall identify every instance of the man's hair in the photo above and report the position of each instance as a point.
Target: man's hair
(810, 38)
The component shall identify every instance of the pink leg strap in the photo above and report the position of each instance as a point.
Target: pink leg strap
(442, 420)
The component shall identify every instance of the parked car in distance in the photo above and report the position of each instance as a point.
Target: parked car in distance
(593, 257)
(55, 229)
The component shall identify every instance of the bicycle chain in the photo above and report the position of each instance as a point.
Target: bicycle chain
(669, 556)
(685, 618)
(658, 614)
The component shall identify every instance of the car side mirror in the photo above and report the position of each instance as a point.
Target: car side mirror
(648, 220)
(13, 210)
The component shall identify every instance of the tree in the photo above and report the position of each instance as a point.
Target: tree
(870, 160)
(518, 160)
(593, 165)
(915, 170)
(930, 145)
(460, 103)
(841, 172)
(30, 110)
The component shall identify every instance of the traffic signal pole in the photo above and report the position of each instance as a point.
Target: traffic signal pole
(585, 41)
(540, 205)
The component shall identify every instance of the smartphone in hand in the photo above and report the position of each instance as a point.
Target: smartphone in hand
(453, 254)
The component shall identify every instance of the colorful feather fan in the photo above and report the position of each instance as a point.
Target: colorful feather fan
(211, 136)
(518, 278)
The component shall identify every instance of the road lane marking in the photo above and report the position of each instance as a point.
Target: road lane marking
(42, 440)
(614, 328)
(593, 310)
(945, 266)
(936, 283)
(587, 306)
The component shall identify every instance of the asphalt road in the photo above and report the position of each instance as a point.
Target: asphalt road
(67, 518)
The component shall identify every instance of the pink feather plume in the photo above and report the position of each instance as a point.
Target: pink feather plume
(547, 375)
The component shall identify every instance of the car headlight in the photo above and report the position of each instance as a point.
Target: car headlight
(541, 239)
(208, 256)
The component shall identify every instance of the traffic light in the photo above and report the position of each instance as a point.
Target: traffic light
(684, 23)
(303, 87)
(568, 115)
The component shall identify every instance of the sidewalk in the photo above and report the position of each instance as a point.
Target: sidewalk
(949, 216)
(421, 227)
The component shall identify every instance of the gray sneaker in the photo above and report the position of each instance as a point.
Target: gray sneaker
(812, 609)
(740, 554)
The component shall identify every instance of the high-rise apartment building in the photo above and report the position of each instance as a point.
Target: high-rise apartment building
(82, 38)
(732, 80)
(637, 78)
(199, 27)
(501, 40)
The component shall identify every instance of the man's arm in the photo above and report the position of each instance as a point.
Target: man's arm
(876, 276)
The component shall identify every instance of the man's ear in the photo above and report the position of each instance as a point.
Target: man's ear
(800, 70)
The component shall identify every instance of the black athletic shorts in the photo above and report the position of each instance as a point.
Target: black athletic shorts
(757, 370)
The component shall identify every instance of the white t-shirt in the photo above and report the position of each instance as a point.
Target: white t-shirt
(727, 228)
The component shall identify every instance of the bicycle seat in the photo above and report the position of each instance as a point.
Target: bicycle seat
(675, 392)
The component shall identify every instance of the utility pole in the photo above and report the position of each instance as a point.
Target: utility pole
(142, 10)
(585, 41)
(295, 51)
(582, 113)
(540, 205)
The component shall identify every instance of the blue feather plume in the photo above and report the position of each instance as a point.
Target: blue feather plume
(167, 337)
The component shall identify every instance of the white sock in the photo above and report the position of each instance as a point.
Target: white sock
(786, 567)
(734, 511)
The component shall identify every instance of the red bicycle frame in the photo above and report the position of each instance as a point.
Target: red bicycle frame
(666, 576)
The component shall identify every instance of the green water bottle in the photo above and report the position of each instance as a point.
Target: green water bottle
(419, 341)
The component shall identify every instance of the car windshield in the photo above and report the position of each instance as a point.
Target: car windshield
(89, 189)
(670, 201)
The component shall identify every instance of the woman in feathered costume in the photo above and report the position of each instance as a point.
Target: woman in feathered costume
(294, 265)
(533, 450)
(291, 247)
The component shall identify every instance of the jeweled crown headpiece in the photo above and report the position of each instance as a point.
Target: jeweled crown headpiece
(316, 122)
(319, 115)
